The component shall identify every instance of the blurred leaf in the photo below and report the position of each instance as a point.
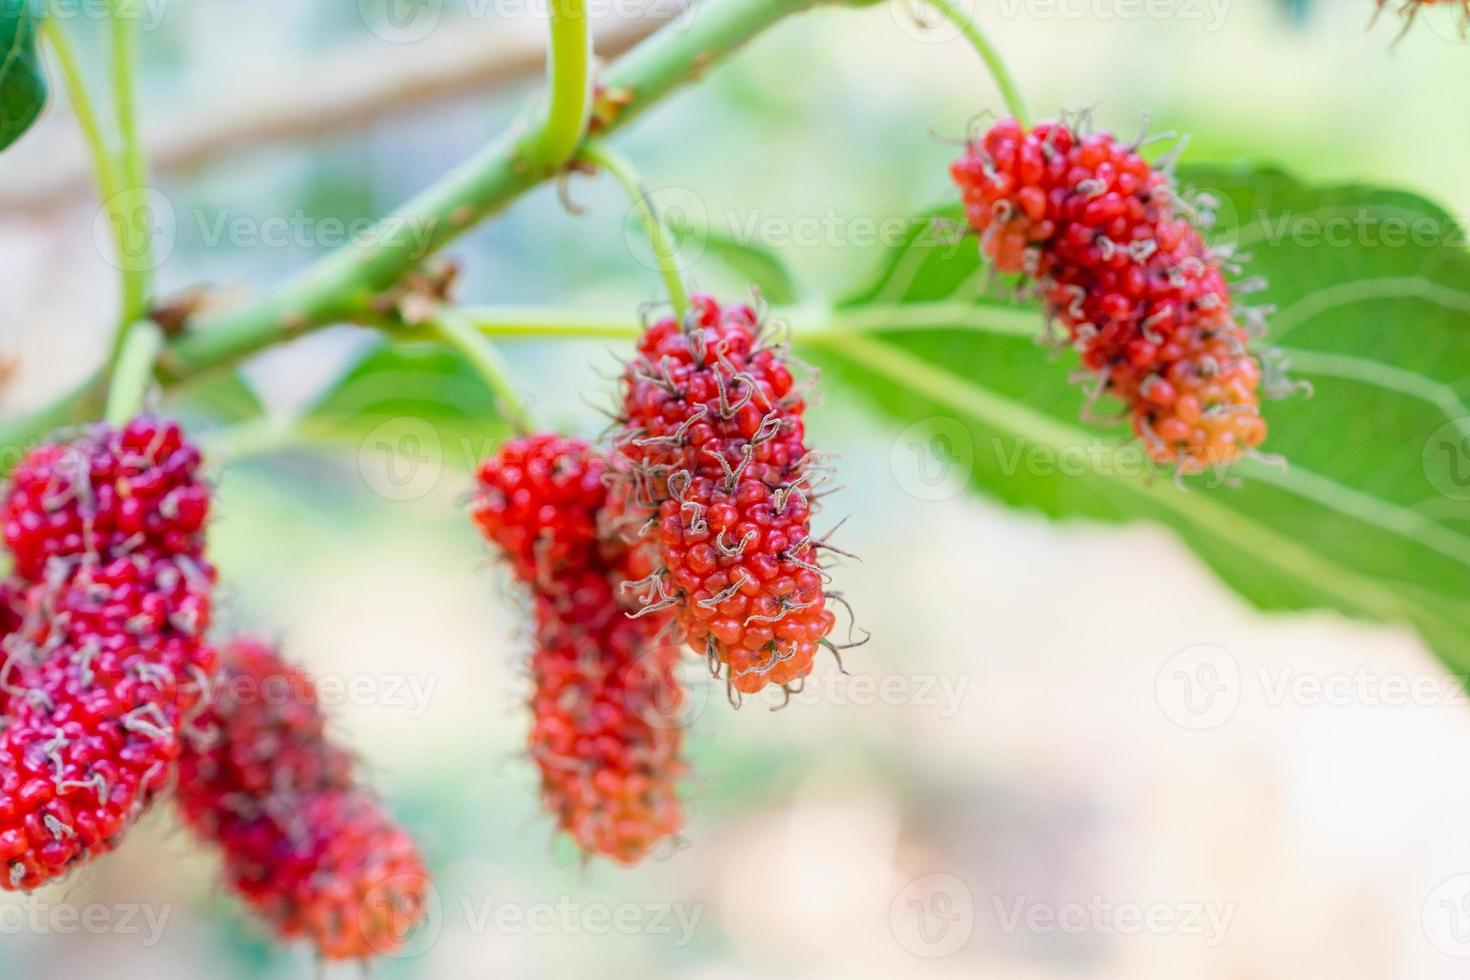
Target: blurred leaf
(22, 79)
(226, 399)
(420, 394)
(1371, 515)
(759, 266)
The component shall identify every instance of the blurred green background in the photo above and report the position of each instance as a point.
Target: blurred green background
(1003, 730)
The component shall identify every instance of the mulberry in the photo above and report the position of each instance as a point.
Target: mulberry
(601, 734)
(101, 674)
(105, 658)
(604, 684)
(715, 445)
(303, 843)
(107, 492)
(1120, 265)
(538, 500)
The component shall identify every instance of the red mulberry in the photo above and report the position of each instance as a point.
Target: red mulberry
(303, 843)
(602, 733)
(110, 604)
(604, 683)
(1120, 265)
(716, 445)
(107, 492)
(538, 502)
(101, 675)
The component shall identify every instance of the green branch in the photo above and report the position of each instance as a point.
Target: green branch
(136, 259)
(82, 107)
(664, 250)
(552, 144)
(342, 286)
(133, 371)
(461, 333)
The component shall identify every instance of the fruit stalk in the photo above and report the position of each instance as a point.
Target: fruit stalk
(664, 249)
(988, 53)
(136, 356)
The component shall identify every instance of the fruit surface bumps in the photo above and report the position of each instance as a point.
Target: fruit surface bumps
(538, 500)
(1120, 265)
(604, 735)
(604, 731)
(105, 658)
(714, 444)
(302, 842)
(108, 492)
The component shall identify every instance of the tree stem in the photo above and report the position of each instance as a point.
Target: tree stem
(664, 249)
(957, 16)
(133, 371)
(341, 287)
(460, 332)
(82, 106)
(553, 143)
(137, 258)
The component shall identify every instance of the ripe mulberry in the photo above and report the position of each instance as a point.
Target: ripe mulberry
(101, 674)
(604, 685)
(602, 731)
(715, 445)
(108, 492)
(303, 843)
(109, 605)
(538, 499)
(1120, 265)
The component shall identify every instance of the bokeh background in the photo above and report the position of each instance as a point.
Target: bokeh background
(1007, 783)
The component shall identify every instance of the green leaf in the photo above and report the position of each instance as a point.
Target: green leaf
(423, 395)
(1370, 515)
(225, 399)
(759, 266)
(22, 79)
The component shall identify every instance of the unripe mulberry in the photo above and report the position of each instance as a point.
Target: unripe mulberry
(715, 443)
(603, 681)
(302, 841)
(102, 673)
(1120, 265)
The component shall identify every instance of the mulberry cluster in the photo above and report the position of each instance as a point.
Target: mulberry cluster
(104, 657)
(1120, 265)
(303, 843)
(714, 446)
(603, 734)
